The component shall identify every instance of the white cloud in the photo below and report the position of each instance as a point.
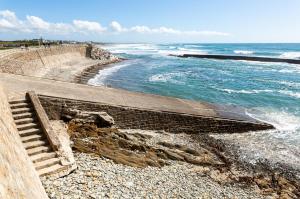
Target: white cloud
(38, 23)
(88, 26)
(141, 29)
(9, 22)
(116, 26)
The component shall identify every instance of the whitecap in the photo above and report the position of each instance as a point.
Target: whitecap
(182, 51)
(168, 77)
(281, 120)
(103, 74)
(246, 91)
(290, 93)
(243, 52)
(290, 55)
(134, 49)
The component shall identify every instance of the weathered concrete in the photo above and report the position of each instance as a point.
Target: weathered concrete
(18, 178)
(61, 62)
(117, 97)
(246, 58)
(59, 144)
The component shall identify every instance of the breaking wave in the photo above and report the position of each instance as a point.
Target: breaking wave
(281, 120)
(291, 93)
(175, 77)
(103, 74)
(243, 52)
(290, 55)
(246, 91)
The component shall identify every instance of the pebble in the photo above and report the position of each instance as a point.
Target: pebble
(101, 178)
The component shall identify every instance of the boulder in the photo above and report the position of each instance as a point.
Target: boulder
(101, 54)
(101, 119)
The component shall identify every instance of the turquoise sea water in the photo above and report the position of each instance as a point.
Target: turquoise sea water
(269, 91)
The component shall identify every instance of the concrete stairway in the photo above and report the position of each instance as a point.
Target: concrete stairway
(86, 75)
(34, 140)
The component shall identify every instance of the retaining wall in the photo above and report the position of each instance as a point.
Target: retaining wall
(127, 117)
(28, 62)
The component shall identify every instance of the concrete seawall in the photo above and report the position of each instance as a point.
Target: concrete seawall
(18, 177)
(246, 58)
(28, 62)
(62, 62)
(137, 110)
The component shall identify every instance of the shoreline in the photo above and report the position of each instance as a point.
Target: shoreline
(285, 170)
(88, 73)
(207, 168)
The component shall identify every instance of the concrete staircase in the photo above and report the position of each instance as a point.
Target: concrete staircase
(34, 140)
(86, 75)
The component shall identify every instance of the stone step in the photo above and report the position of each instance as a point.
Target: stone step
(18, 101)
(30, 132)
(34, 144)
(42, 156)
(23, 127)
(25, 121)
(34, 137)
(22, 110)
(46, 163)
(89, 75)
(23, 115)
(20, 105)
(38, 150)
(50, 170)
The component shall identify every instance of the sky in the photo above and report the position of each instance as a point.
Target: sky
(152, 21)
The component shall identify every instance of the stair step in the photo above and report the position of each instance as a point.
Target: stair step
(23, 127)
(38, 150)
(22, 110)
(20, 105)
(22, 116)
(42, 156)
(30, 132)
(34, 144)
(31, 138)
(24, 121)
(46, 163)
(18, 101)
(49, 170)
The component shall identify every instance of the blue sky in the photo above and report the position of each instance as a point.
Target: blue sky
(152, 20)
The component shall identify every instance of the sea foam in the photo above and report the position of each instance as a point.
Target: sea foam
(100, 78)
(243, 52)
(290, 55)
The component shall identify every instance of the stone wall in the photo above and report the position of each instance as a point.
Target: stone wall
(18, 177)
(127, 117)
(27, 62)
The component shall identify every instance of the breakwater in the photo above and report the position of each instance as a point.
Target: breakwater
(246, 58)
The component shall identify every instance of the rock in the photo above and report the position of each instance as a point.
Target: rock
(101, 119)
(64, 150)
(101, 54)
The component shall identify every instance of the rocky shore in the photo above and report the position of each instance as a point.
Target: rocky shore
(124, 163)
(102, 178)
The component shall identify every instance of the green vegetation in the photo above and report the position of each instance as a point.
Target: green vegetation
(18, 43)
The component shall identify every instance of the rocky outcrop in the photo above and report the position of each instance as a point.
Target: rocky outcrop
(101, 119)
(101, 54)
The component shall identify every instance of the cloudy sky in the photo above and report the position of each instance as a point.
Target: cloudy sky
(152, 20)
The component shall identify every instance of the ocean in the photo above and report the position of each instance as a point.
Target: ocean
(270, 92)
